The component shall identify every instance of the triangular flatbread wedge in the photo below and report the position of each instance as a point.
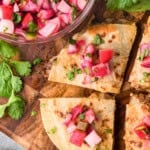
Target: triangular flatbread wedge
(137, 130)
(140, 75)
(112, 45)
(53, 111)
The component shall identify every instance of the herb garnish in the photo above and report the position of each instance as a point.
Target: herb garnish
(97, 40)
(53, 130)
(33, 113)
(143, 54)
(108, 131)
(10, 83)
(37, 61)
(72, 73)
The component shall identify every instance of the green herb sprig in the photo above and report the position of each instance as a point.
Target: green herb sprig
(10, 80)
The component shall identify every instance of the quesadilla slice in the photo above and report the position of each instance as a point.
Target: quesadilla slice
(140, 75)
(79, 123)
(96, 58)
(137, 123)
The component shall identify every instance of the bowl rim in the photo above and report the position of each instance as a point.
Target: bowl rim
(60, 34)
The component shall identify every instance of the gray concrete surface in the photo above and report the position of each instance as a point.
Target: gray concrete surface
(7, 143)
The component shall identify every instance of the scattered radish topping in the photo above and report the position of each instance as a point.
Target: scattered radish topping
(144, 46)
(100, 70)
(76, 111)
(90, 49)
(146, 120)
(72, 49)
(6, 12)
(146, 62)
(63, 7)
(87, 79)
(77, 137)
(86, 64)
(92, 139)
(81, 43)
(6, 26)
(46, 4)
(72, 127)
(73, 2)
(68, 119)
(105, 56)
(90, 116)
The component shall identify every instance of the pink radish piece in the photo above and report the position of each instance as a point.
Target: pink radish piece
(63, 7)
(92, 139)
(6, 26)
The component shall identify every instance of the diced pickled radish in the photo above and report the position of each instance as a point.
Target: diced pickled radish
(46, 14)
(90, 116)
(6, 2)
(92, 139)
(68, 119)
(71, 127)
(63, 7)
(144, 46)
(86, 64)
(73, 2)
(81, 43)
(30, 6)
(16, 7)
(105, 55)
(26, 20)
(146, 62)
(48, 29)
(90, 49)
(100, 70)
(72, 49)
(6, 12)
(40, 3)
(77, 137)
(81, 4)
(76, 111)
(6, 26)
(46, 4)
(87, 79)
(146, 120)
(65, 18)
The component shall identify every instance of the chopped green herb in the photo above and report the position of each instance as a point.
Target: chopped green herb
(33, 113)
(81, 116)
(72, 41)
(37, 61)
(94, 79)
(143, 54)
(32, 27)
(87, 70)
(142, 81)
(145, 74)
(77, 70)
(53, 130)
(97, 40)
(43, 105)
(17, 18)
(89, 55)
(70, 75)
(74, 12)
(96, 147)
(108, 131)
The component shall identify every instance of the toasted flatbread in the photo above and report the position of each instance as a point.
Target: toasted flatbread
(118, 37)
(136, 110)
(140, 76)
(53, 110)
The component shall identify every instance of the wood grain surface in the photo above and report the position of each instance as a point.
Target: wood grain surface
(29, 131)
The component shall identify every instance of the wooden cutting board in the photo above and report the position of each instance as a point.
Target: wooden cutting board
(29, 131)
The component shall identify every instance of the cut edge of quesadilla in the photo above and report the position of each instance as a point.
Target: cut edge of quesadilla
(96, 58)
(140, 74)
(55, 110)
(137, 123)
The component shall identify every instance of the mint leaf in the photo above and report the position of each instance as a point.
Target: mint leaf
(37, 61)
(23, 68)
(16, 83)
(7, 50)
(97, 40)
